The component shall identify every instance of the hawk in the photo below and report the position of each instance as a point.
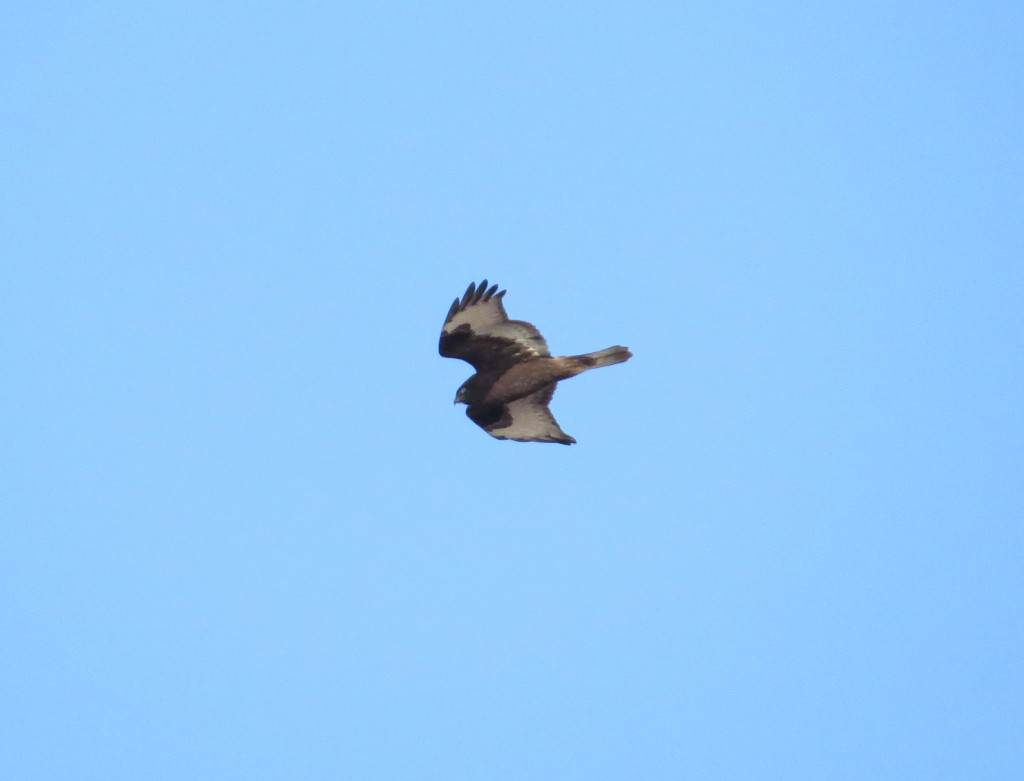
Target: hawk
(516, 375)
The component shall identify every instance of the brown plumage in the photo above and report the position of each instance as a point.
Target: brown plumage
(516, 375)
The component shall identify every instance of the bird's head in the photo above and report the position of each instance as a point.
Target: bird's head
(462, 394)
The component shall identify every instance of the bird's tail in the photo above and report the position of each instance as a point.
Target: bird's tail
(606, 357)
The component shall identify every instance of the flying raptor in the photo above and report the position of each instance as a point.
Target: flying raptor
(516, 374)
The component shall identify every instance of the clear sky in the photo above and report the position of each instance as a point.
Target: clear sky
(246, 534)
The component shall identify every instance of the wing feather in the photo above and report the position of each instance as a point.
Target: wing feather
(478, 330)
(529, 420)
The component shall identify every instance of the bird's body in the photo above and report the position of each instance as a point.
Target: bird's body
(516, 374)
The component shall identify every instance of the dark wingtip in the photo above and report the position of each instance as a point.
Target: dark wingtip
(479, 293)
(475, 294)
(453, 309)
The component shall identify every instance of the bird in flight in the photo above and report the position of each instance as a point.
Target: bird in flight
(516, 375)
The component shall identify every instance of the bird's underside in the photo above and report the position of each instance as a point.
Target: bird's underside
(525, 419)
(516, 375)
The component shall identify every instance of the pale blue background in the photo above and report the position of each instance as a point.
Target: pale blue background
(246, 534)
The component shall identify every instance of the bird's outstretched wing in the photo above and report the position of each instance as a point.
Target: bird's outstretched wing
(477, 330)
(526, 420)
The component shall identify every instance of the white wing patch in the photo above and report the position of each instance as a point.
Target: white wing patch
(482, 310)
(532, 421)
(483, 315)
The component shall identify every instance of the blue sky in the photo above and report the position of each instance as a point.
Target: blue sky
(248, 536)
